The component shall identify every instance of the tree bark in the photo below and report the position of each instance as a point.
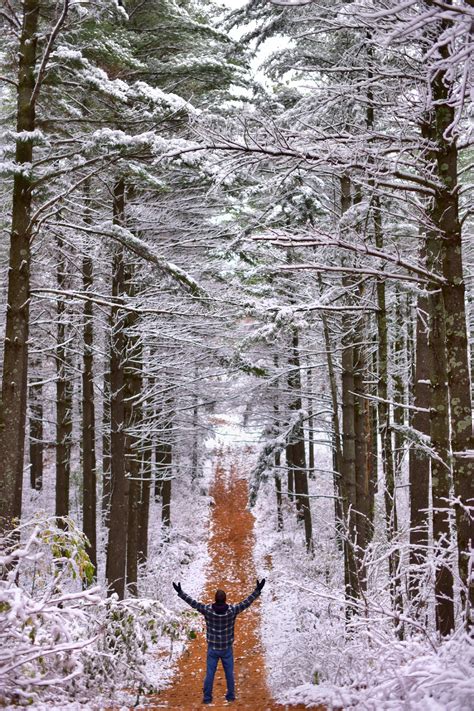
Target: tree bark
(132, 416)
(363, 442)
(36, 433)
(277, 459)
(106, 430)
(15, 358)
(278, 492)
(164, 466)
(310, 428)
(348, 472)
(446, 219)
(290, 466)
(336, 426)
(145, 475)
(117, 543)
(63, 392)
(384, 419)
(303, 507)
(399, 377)
(440, 466)
(419, 461)
(89, 467)
(195, 464)
(441, 474)
(144, 504)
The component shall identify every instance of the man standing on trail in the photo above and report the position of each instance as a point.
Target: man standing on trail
(220, 621)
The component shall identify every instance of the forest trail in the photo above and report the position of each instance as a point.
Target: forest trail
(231, 568)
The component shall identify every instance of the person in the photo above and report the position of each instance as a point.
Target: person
(220, 622)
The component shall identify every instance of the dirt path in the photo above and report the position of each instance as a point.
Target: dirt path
(232, 568)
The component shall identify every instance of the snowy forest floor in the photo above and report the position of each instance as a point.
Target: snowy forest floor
(230, 549)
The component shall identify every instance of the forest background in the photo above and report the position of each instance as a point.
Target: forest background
(264, 211)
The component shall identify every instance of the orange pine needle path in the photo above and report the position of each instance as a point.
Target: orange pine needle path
(232, 569)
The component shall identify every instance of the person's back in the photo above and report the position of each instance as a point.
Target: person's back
(220, 625)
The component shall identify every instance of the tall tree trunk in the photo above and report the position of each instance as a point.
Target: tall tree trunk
(363, 441)
(419, 461)
(195, 468)
(106, 430)
(440, 466)
(36, 432)
(290, 466)
(441, 475)
(336, 427)
(445, 215)
(89, 468)
(387, 453)
(348, 471)
(63, 392)
(277, 460)
(144, 504)
(132, 416)
(380, 290)
(399, 376)
(303, 507)
(311, 462)
(15, 358)
(117, 543)
(278, 492)
(164, 466)
(145, 476)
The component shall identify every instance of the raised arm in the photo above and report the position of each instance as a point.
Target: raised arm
(199, 606)
(241, 606)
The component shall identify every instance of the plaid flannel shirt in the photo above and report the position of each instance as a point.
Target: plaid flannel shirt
(220, 627)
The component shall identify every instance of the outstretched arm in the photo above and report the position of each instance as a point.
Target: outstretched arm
(199, 606)
(241, 606)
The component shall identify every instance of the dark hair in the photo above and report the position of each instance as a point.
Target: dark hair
(220, 596)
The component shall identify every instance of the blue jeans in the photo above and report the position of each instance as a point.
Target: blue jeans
(227, 658)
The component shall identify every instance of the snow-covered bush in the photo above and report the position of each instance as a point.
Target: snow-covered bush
(315, 657)
(61, 637)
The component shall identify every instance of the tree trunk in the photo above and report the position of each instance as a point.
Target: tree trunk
(132, 416)
(89, 472)
(278, 492)
(63, 392)
(399, 376)
(298, 453)
(363, 441)
(117, 543)
(36, 433)
(290, 471)
(311, 462)
(446, 258)
(387, 453)
(419, 461)
(336, 426)
(15, 358)
(145, 475)
(446, 219)
(164, 466)
(277, 460)
(106, 430)
(144, 504)
(440, 442)
(440, 466)
(348, 472)
(195, 467)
